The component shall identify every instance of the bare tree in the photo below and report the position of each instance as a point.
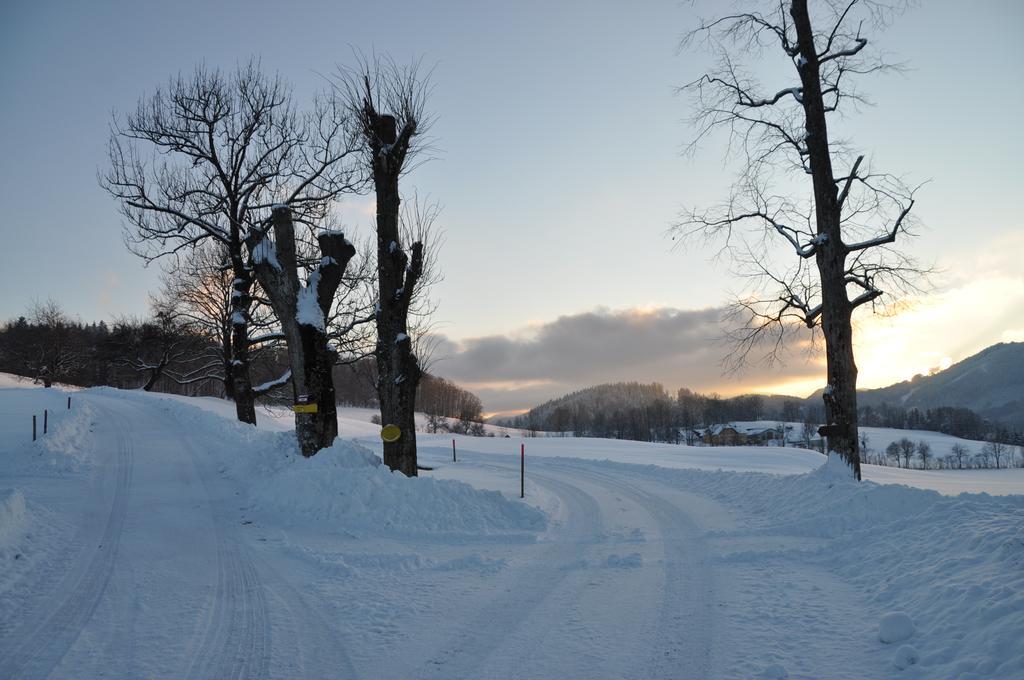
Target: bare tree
(196, 288)
(996, 450)
(156, 347)
(852, 214)
(959, 452)
(303, 310)
(205, 159)
(809, 428)
(436, 423)
(893, 451)
(924, 452)
(388, 102)
(56, 354)
(907, 449)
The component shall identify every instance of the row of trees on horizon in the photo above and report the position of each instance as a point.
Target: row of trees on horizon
(177, 354)
(648, 412)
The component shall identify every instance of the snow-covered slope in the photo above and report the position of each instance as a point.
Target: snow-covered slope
(176, 542)
(988, 383)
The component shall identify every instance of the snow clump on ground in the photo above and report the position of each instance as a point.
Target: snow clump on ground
(895, 627)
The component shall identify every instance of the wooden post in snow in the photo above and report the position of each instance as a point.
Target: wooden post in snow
(522, 470)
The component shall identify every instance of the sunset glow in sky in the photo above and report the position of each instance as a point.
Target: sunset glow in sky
(558, 167)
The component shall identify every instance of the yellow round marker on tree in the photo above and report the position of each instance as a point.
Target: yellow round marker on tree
(390, 433)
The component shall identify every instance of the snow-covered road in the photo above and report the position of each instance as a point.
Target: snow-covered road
(616, 588)
(158, 579)
(167, 576)
(146, 538)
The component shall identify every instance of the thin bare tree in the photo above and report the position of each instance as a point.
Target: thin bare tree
(800, 187)
(206, 158)
(924, 452)
(155, 348)
(907, 449)
(196, 287)
(997, 450)
(959, 452)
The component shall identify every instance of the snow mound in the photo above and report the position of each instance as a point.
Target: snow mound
(953, 564)
(68, 445)
(906, 656)
(834, 471)
(895, 627)
(346, 485)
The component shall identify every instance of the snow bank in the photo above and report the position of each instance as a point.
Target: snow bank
(346, 485)
(66, 447)
(69, 444)
(948, 572)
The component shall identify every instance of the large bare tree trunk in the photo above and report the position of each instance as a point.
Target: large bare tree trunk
(388, 102)
(303, 311)
(398, 369)
(841, 392)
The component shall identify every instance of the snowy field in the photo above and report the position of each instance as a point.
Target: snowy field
(152, 537)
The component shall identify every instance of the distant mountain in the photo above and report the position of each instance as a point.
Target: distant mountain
(608, 397)
(990, 383)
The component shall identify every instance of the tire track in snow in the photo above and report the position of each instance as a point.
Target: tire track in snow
(37, 647)
(236, 637)
(499, 618)
(685, 628)
(235, 640)
(312, 639)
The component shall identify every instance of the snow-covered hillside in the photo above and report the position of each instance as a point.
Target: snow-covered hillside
(148, 536)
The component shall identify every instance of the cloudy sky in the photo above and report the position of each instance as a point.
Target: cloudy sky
(558, 167)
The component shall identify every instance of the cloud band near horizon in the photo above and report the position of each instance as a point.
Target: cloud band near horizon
(675, 347)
